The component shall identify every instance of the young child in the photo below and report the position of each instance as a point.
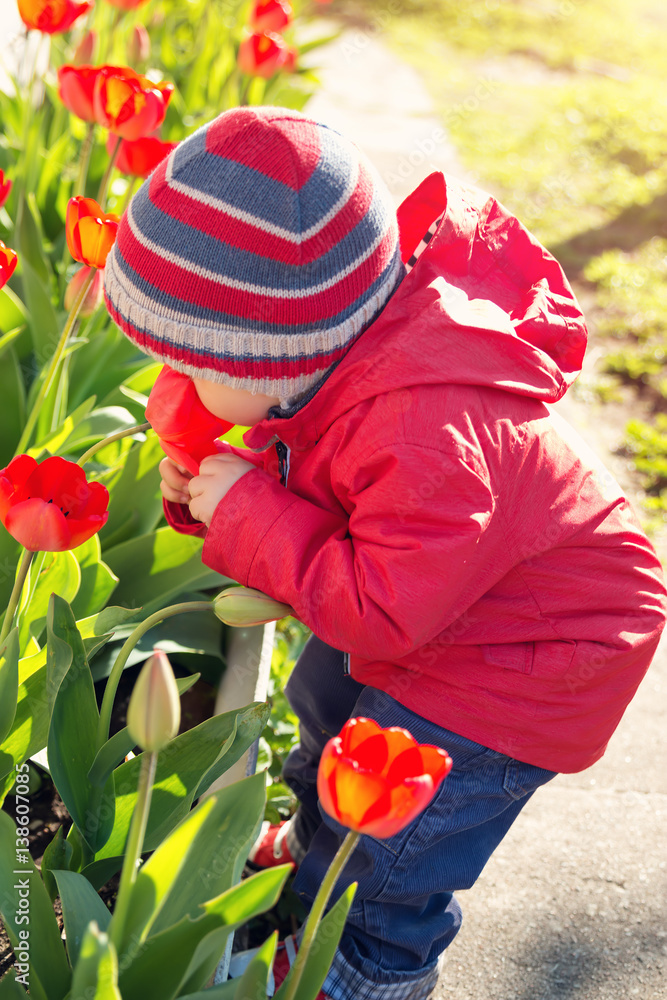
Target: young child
(467, 571)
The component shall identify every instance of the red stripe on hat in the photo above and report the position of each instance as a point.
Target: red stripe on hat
(254, 239)
(244, 135)
(252, 368)
(191, 287)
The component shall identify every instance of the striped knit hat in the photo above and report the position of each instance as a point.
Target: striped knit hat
(256, 253)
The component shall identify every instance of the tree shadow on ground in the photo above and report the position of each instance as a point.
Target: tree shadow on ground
(598, 959)
(628, 230)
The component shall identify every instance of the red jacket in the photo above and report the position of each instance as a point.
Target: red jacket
(440, 523)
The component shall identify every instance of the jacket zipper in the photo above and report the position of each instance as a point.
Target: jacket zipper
(283, 462)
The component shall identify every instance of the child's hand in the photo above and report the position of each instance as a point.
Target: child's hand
(175, 479)
(217, 475)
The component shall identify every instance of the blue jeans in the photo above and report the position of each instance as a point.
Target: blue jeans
(404, 913)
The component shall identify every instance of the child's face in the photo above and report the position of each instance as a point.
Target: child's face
(235, 405)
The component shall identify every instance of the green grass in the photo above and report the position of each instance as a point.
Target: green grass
(559, 107)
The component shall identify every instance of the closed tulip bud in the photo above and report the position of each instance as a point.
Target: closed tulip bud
(242, 607)
(93, 295)
(139, 46)
(154, 712)
(83, 53)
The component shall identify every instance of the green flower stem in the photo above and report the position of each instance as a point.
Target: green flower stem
(54, 366)
(104, 184)
(317, 910)
(121, 659)
(84, 159)
(135, 842)
(87, 455)
(23, 570)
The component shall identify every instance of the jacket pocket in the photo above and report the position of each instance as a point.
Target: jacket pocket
(544, 658)
(509, 655)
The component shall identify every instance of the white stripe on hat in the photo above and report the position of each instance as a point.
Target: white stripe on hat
(245, 286)
(254, 220)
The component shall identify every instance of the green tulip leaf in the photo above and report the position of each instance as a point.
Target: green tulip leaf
(9, 682)
(162, 969)
(38, 683)
(73, 732)
(10, 989)
(211, 747)
(80, 904)
(59, 574)
(201, 858)
(155, 568)
(57, 856)
(134, 489)
(96, 973)
(323, 950)
(12, 393)
(254, 983)
(97, 581)
(49, 974)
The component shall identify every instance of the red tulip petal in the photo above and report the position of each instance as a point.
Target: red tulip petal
(436, 762)
(408, 764)
(62, 482)
(81, 530)
(39, 526)
(406, 802)
(97, 502)
(356, 792)
(371, 754)
(355, 731)
(326, 786)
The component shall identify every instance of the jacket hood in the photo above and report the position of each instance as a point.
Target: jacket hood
(485, 305)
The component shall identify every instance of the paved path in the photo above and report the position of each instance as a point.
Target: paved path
(574, 902)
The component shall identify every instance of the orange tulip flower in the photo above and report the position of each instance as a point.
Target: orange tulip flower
(262, 54)
(270, 15)
(75, 88)
(128, 104)
(141, 157)
(90, 231)
(375, 780)
(5, 188)
(51, 16)
(8, 259)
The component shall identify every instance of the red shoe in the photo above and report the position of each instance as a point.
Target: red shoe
(284, 960)
(270, 848)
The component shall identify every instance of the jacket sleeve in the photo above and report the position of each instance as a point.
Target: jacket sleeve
(381, 581)
(178, 515)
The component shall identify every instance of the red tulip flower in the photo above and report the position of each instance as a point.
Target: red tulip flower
(75, 88)
(262, 54)
(51, 16)
(126, 4)
(375, 780)
(141, 157)
(50, 506)
(186, 429)
(5, 188)
(8, 260)
(85, 50)
(128, 104)
(270, 15)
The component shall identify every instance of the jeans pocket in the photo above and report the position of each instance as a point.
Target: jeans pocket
(522, 779)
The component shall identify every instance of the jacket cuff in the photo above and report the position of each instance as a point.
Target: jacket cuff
(241, 522)
(180, 519)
